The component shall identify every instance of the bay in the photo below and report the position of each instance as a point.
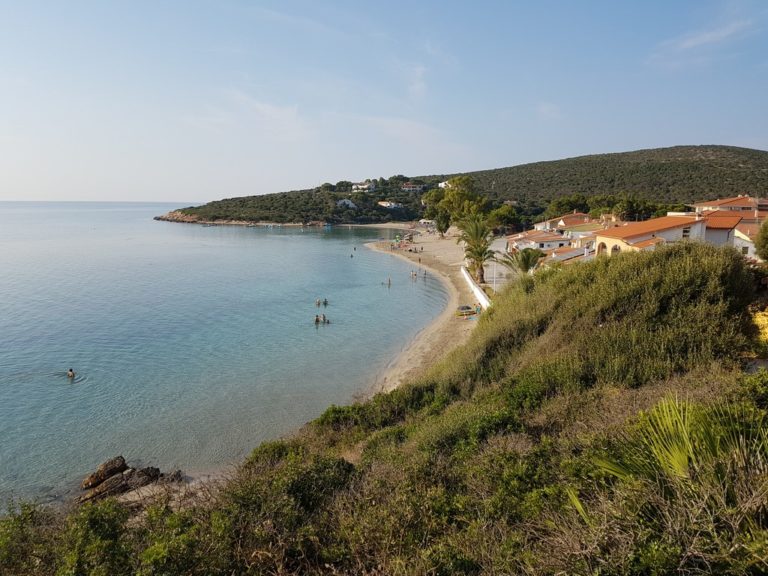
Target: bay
(191, 344)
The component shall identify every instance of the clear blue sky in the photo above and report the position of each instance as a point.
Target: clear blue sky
(187, 100)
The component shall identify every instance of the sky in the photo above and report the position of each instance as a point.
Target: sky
(196, 100)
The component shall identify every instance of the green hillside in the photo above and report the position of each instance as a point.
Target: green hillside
(664, 175)
(597, 422)
(669, 175)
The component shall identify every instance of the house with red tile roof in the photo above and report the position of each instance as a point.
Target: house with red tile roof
(563, 221)
(721, 227)
(714, 227)
(412, 187)
(539, 239)
(637, 236)
(741, 203)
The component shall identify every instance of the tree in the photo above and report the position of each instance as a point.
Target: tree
(761, 242)
(455, 202)
(566, 204)
(477, 237)
(461, 199)
(442, 222)
(504, 217)
(523, 260)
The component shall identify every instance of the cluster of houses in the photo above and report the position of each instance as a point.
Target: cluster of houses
(370, 186)
(577, 237)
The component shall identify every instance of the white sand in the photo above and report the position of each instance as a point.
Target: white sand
(442, 257)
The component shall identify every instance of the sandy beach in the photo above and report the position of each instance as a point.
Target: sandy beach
(444, 258)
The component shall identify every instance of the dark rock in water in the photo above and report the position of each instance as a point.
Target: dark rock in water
(113, 485)
(130, 479)
(103, 472)
(143, 477)
(174, 477)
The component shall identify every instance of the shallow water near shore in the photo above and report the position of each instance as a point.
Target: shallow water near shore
(191, 344)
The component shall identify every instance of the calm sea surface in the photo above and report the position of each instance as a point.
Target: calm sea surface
(191, 344)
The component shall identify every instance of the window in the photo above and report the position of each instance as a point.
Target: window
(745, 250)
(687, 232)
(541, 244)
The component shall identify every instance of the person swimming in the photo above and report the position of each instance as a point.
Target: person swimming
(70, 373)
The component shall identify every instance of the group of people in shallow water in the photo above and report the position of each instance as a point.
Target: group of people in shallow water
(320, 318)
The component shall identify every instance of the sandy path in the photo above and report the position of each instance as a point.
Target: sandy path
(443, 257)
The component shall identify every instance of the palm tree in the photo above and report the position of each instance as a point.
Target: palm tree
(523, 260)
(477, 237)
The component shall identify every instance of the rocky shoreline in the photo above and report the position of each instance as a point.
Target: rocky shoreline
(179, 216)
(114, 477)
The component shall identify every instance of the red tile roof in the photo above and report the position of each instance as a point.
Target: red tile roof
(735, 202)
(717, 221)
(749, 230)
(570, 219)
(648, 227)
(649, 242)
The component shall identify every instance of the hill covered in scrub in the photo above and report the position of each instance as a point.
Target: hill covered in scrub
(597, 422)
(663, 175)
(678, 174)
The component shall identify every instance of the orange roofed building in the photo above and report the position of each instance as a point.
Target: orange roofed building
(646, 235)
(753, 212)
(564, 221)
(735, 204)
(717, 228)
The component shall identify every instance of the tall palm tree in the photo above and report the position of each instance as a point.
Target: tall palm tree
(477, 236)
(523, 260)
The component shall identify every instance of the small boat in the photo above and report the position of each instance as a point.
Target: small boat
(465, 311)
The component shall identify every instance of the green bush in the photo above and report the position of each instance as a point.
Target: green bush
(93, 542)
(23, 547)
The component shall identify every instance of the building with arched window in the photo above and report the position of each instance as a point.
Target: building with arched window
(637, 236)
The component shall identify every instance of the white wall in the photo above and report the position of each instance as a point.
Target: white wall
(719, 237)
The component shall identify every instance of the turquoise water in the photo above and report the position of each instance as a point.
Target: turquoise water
(191, 344)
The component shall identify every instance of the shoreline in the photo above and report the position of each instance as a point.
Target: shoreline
(178, 217)
(442, 257)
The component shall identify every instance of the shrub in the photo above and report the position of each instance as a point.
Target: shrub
(93, 541)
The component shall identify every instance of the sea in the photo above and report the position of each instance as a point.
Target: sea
(191, 344)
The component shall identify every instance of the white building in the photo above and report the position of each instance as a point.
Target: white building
(539, 239)
(366, 186)
(390, 205)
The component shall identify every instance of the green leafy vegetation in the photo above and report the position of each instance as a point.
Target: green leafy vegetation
(597, 422)
(522, 261)
(666, 175)
(635, 185)
(477, 238)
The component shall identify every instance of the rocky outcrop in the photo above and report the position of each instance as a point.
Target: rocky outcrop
(106, 470)
(178, 216)
(114, 477)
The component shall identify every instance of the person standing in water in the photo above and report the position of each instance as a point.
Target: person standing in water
(70, 373)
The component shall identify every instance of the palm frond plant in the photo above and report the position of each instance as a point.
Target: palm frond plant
(476, 236)
(522, 261)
